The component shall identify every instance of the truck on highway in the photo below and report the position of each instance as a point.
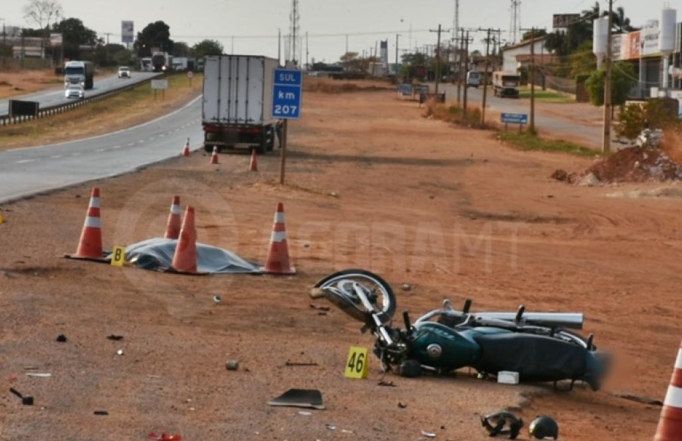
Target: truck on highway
(237, 102)
(79, 72)
(161, 62)
(146, 64)
(474, 79)
(506, 84)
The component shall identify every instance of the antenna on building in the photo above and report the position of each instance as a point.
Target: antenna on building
(515, 25)
(295, 28)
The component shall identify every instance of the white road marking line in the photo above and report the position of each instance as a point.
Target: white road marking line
(76, 154)
(56, 156)
(161, 135)
(152, 138)
(141, 141)
(101, 150)
(131, 144)
(116, 147)
(24, 161)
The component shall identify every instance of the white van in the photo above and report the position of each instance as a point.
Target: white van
(474, 79)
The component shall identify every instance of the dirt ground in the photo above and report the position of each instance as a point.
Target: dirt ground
(448, 210)
(14, 83)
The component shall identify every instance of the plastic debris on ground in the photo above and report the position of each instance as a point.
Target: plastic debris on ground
(307, 398)
(157, 255)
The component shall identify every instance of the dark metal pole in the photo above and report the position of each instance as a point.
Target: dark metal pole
(283, 153)
(485, 77)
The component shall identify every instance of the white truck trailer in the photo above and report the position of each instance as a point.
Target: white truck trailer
(237, 103)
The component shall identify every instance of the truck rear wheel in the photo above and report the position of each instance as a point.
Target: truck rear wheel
(271, 138)
(208, 148)
(263, 146)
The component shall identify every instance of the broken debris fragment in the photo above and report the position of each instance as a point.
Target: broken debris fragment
(164, 437)
(114, 337)
(232, 365)
(428, 434)
(61, 338)
(307, 398)
(101, 412)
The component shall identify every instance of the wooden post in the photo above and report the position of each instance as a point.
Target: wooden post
(532, 80)
(606, 140)
(485, 77)
(283, 153)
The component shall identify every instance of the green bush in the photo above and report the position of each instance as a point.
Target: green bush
(653, 114)
(624, 78)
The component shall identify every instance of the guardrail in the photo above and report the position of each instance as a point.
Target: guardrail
(6, 120)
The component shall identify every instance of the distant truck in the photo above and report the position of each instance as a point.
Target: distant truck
(183, 63)
(161, 62)
(146, 64)
(506, 84)
(237, 103)
(79, 72)
(474, 79)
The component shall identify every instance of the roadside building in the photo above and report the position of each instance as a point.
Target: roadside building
(522, 51)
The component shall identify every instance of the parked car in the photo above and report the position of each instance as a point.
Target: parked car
(74, 91)
(124, 72)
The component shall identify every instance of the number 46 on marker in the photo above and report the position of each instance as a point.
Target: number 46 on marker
(356, 366)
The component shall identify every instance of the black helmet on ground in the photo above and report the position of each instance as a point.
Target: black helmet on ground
(502, 423)
(543, 427)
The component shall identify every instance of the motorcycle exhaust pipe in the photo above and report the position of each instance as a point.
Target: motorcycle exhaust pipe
(568, 320)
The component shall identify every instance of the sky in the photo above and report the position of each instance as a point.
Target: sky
(255, 23)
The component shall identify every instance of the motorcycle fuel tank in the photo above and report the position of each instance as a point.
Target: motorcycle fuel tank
(441, 347)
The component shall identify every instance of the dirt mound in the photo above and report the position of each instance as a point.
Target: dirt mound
(637, 164)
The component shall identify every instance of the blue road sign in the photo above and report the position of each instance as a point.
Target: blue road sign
(286, 97)
(515, 118)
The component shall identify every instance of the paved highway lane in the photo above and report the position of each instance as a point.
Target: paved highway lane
(32, 170)
(101, 85)
(589, 135)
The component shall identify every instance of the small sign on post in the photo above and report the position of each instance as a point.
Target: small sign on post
(286, 104)
(514, 118)
(190, 75)
(160, 85)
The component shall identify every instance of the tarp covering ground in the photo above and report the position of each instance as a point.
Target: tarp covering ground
(157, 255)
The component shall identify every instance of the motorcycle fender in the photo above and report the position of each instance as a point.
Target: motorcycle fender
(458, 350)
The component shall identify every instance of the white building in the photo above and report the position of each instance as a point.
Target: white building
(513, 55)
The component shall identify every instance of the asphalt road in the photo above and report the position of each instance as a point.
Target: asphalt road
(32, 170)
(557, 126)
(101, 85)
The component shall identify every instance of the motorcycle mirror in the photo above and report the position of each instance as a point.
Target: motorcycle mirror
(467, 306)
(406, 319)
(590, 341)
(519, 313)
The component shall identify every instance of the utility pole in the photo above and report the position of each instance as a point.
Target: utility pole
(460, 48)
(485, 75)
(295, 27)
(437, 58)
(374, 63)
(465, 72)
(232, 45)
(397, 56)
(606, 142)
(307, 67)
(532, 77)
(346, 43)
(279, 46)
(107, 48)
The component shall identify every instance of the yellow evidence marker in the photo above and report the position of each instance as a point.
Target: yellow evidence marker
(2, 219)
(118, 257)
(356, 366)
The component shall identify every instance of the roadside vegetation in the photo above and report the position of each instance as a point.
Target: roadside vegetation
(453, 113)
(121, 111)
(546, 96)
(326, 85)
(533, 142)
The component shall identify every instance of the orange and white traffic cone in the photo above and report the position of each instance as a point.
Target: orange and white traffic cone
(185, 151)
(174, 220)
(185, 258)
(90, 244)
(254, 161)
(214, 156)
(278, 254)
(670, 423)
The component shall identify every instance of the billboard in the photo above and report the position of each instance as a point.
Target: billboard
(650, 36)
(631, 46)
(56, 39)
(617, 47)
(562, 21)
(127, 32)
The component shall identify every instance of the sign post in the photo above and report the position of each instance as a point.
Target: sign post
(514, 118)
(190, 74)
(160, 84)
(286, 105)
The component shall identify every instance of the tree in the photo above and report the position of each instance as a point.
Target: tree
(538, 33)
(624, 78)
(180, 49)
(42, 13)
(207, 47)
(154, 35)
(75, 34)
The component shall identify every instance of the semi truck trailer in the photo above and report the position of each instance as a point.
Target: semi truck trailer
(79, 72)
(237, 103)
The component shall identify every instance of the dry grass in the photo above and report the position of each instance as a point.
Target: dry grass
(121, 111)
(672, 145)
(326, 85)
(455, 114)
(13, 83)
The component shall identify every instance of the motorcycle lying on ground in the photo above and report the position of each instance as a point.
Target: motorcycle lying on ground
(538, 346)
